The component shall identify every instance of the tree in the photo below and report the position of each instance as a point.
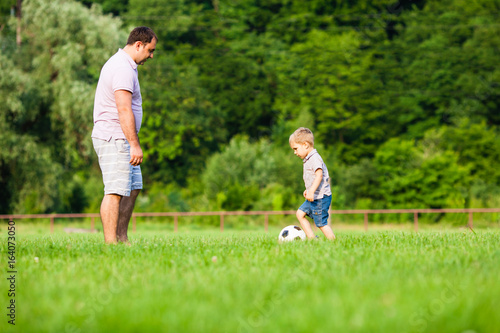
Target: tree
(415, 176)
(181, 126)
(115, 7)
(28, 174)
(48, 112)
(238, 176)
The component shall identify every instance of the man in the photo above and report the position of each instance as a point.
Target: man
(117, 120)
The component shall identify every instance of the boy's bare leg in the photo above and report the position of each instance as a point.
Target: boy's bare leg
(126, 208)
(328, 232)
(110, 210)
(306, 226)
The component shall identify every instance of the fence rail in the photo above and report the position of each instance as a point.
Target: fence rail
(222, 214)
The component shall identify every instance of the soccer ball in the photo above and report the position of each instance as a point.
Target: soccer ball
(291, 233)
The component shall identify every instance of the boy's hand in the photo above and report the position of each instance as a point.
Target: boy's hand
(309, 193)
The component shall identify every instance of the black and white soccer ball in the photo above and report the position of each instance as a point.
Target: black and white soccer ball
(291, 233)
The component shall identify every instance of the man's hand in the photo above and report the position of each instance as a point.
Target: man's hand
(135, 155)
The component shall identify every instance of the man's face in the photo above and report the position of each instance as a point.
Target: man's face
(146, 51)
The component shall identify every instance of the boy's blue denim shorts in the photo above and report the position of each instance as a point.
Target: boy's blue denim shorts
(318, 210)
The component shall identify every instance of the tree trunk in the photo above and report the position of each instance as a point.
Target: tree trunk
(18, 15)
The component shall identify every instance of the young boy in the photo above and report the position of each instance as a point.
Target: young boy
(317, 193)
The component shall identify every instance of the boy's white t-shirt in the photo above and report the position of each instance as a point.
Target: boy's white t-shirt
(313, 162)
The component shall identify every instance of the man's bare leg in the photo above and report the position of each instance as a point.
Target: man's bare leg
(110, 211)
(126, 208)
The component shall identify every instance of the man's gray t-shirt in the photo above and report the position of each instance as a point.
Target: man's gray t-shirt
(119, 73)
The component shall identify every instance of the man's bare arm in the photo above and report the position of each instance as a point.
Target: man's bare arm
(127, 122)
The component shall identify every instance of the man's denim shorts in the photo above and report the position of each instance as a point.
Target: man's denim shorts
(119, 176)
(318, 210)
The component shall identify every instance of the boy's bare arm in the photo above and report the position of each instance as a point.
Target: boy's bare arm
(317, 180)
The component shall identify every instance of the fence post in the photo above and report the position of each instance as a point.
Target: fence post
(52, 224)
(176, 223)
(221, 222)
(366, 221)
(415, 219)
(470, 219)
(134, 223)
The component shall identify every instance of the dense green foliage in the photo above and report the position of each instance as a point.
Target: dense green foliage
(247, 282)
(402, 96)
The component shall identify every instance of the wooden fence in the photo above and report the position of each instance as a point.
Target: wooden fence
(266, 214)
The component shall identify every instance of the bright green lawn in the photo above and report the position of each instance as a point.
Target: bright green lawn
(203, 281)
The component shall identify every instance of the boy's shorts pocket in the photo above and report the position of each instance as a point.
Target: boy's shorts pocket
(317, 213)
(318, 218)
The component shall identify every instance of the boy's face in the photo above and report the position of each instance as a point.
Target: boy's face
(300, 149)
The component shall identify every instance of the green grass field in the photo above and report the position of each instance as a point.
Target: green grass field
(237, 281)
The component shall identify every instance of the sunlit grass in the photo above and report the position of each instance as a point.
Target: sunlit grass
(208, 281)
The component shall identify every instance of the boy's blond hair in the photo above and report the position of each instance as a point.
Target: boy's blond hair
(302, 135)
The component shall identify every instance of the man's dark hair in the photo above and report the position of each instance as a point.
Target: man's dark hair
(141, 34)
